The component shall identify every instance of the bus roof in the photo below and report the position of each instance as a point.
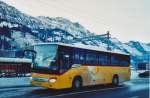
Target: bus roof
(81, 46)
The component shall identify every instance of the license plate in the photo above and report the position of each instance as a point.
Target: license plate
(38, 83)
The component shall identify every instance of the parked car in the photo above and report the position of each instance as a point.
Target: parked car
(144, 74)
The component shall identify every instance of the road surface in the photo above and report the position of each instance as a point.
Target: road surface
(136, 88)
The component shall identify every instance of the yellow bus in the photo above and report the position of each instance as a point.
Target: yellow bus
(60, 66)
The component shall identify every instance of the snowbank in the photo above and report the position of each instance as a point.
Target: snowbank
(13, 82)
(134, 74)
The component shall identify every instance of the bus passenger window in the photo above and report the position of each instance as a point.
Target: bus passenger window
(124, 61)
(82, 58)
(115, 60)
(66, 61)
(103, 59)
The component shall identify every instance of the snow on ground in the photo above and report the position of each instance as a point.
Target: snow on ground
(134, 74)
(12, 82)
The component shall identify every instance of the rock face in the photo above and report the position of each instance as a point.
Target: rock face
(18, 30)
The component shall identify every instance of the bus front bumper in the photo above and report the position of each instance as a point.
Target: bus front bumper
(46, 84)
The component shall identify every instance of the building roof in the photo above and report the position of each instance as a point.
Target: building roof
(16, 60)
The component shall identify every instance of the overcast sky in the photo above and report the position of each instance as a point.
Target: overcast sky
(125, 19)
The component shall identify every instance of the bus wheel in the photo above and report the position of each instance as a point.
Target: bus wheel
(115, 80)
(77, 83)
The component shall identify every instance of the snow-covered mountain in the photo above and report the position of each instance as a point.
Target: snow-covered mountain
(18, 30)
(42, 28)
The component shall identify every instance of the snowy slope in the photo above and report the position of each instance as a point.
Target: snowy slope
(117, 45)
(74, 28)
(140, 46)
(43, 25)
(37, 28)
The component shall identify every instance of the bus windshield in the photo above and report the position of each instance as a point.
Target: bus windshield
(46, 57)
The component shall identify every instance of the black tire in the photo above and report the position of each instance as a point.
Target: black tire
(115, 80)
(77, 83)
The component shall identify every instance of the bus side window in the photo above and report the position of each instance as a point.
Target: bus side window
(88, 59)
(124, 61)
(103, 60)
(64, 61)
(115, 60)
(82, 57)
(77, 58)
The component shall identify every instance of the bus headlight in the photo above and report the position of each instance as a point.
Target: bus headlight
(52, 80)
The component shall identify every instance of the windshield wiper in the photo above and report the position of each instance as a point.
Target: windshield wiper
(47, 57)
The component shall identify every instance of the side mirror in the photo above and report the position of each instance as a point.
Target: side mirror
(75, 65)
(31, 54)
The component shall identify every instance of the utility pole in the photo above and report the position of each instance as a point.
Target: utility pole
(108, 41)
(105, 37)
